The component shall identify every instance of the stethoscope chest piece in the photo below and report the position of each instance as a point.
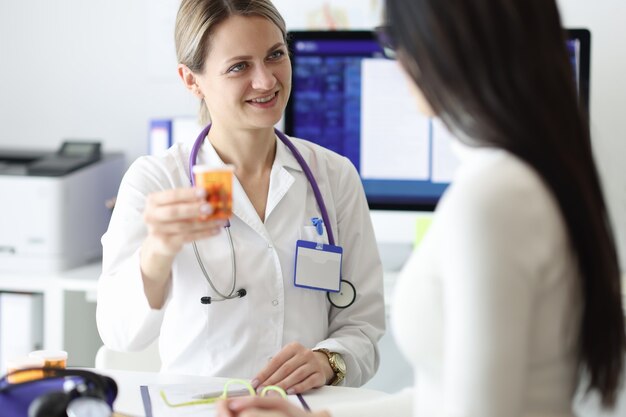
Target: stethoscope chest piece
(344, 297)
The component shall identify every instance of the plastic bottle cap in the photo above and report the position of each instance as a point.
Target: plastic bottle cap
(24, 362)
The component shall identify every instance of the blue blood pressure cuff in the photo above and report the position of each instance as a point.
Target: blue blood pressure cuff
(60, 386)
(16, 398)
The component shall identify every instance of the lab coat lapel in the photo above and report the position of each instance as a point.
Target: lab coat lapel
(281, 180)
(243, 208)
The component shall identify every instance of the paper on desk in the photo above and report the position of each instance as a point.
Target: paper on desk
(180, 393)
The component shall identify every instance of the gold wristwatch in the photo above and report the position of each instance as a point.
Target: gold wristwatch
(337, 364)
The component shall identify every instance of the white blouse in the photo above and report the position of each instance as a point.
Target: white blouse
(236, 338)
(488, 309)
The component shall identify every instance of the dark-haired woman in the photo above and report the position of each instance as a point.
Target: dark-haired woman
(515, 290)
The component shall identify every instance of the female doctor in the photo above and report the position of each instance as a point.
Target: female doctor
(222, 296)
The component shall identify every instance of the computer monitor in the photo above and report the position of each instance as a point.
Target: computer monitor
(348, 98)
(579, 48)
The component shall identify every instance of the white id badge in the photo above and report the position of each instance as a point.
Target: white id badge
(318, 266)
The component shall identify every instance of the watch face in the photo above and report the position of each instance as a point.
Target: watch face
(340, 363)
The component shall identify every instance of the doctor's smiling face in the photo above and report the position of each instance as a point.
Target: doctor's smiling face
(246, 79)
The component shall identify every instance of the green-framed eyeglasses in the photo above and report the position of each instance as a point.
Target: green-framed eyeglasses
(247, 387)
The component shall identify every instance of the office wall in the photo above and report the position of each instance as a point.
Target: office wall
(88, 69)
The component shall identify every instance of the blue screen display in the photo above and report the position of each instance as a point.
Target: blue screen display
(326, 108)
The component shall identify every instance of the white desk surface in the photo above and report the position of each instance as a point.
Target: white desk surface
(129, 400)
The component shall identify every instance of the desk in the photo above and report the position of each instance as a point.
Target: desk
(129, 398)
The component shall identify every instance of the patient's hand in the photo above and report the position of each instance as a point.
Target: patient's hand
(263, 407)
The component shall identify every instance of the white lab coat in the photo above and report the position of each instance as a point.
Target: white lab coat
(236, 338)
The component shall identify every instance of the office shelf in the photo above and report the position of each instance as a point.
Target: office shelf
(68, 308)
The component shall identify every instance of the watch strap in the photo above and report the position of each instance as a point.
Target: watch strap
(339, 374)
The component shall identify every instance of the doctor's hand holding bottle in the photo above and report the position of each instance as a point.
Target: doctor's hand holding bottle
(173, 218)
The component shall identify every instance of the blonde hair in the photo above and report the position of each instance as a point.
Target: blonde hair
(196, 20)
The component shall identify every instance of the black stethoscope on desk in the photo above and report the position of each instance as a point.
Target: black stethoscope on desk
(340, 299)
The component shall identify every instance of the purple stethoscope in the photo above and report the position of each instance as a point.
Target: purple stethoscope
(342, 299)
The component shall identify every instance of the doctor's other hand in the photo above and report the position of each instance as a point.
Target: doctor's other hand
(173, 218)
(296, 369)
(263, 407)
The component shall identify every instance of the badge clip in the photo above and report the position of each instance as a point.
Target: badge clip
(319, 227)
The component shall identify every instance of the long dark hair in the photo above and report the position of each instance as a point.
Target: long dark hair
(497, 71)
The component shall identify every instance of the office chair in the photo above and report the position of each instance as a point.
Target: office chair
(147, 360)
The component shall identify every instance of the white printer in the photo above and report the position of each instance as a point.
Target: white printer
(53, 210)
